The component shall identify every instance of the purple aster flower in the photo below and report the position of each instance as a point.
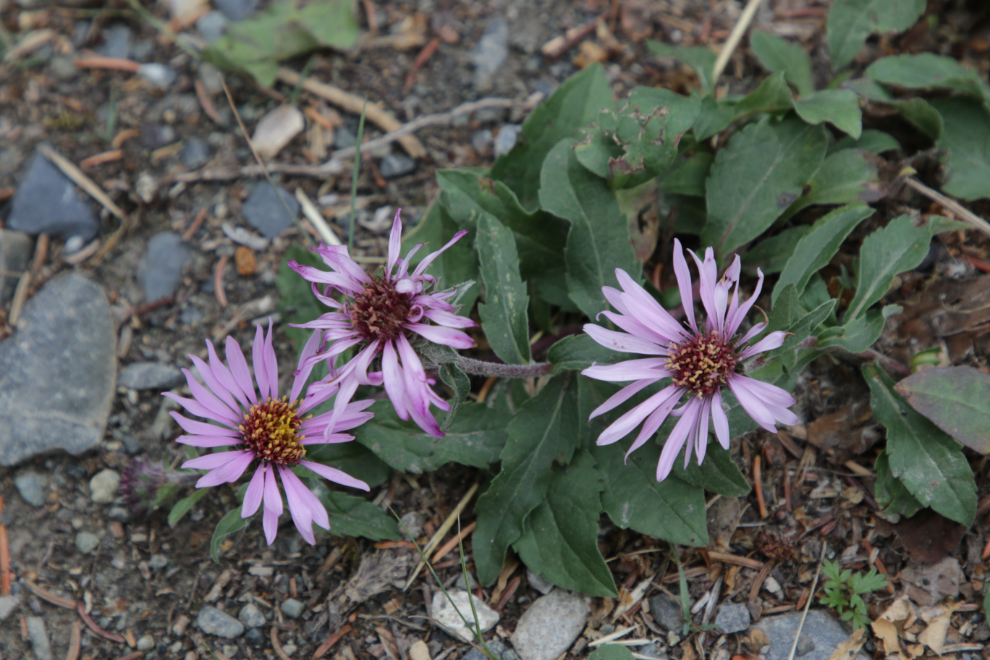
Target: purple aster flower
(700, 361)
(258, 425)
(382, 315)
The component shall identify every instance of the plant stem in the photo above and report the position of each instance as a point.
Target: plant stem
(482, 368)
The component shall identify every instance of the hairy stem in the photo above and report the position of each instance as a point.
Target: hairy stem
(482, 368)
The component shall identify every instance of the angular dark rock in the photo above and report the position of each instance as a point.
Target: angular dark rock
(46, 202)
(161, 268)
(264, 211)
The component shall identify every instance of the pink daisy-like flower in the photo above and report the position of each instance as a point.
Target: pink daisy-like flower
(700, 361)
(258, 425)
(380, 314)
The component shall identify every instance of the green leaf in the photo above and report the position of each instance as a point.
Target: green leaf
(892, 496)
(929, 463)
(898, 247)
(839, 107)
(619, 652)
(700, 58)
(353, 458)
(354, 516)
(183, 506)
(230, 523)
(282, 31)
(845, 177)
(560, 537)
(296, 302)
(917, 111)
(457, 264)
(460, 383)
(712, 118)
(504, 315)
(475, 438)
(776, 54)
(580, 352)
(672, 509)
(756, 177)
(850, 22)
(956, 399)
(771, 254)
(928, 71)
(856, 335)
(574, 104)
(966, 136)
(773, 95)
(816, 249)
(540, 237)
(547, 428)
(638, 141)
(718, 473)
(598, 241)
(687, 176)
(871, 140)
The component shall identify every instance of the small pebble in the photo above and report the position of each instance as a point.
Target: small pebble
(195, 153)
(31, 487)
(146, 643)
(276, 129)
(180, 625)
(732, 618)
(413, 522)
(506, 137)
(103, 486)
(7, 605)
(159, 75)
(263, 210)
(251, 616)
(245, 261)
(538, 582)
(211, 26)
(149, 376)
(292, 608)
(393, 166)
(87, 542)
(229, 650)
(39, 638)
(289, 649)
(157, 561)
(214, 622)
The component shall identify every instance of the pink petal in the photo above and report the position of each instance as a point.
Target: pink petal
(395, 385)
(394, 243)
(707, 278)
(210, 401)
(254, 493)
(673, 445)
(301, 514)
(214, 383)
(449, 320)
(260, 364)
(720, 421)
(640, 304)
(197, 408)
(652, 423)
(273, 505)
(733, 322)
(208, 440)
(224, 375)
(636, 328)
(425, 263)
(629, 370)
(338, 281)
(239, 368)
(622, 426)
(768, 343)
(271, 363)
(227, 473)
(302, 373)
(335, 475)
(752, 332)
(620, 397)
(622, 342)
(751, 403)
(441, 335)
(702, 436)
(202, 428)
(684, 285)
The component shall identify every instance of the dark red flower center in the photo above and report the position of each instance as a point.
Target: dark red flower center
(271, 431)
(702, 364)
(380, 312)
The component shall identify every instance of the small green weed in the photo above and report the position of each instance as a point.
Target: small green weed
(844, 591)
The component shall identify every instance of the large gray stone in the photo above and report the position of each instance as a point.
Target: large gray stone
(820, 636)
(15, 251)
(57, 372)
(550, 626)
(47, 202)
(161, 268)
(264, 211)
(214, 622)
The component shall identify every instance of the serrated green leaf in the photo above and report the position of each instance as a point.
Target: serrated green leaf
(756, 177)
(574, 104)
(700, 58)
(457, 264)
(928, 462)
(956, 399)
(598, 241)
(560, 536)
(672, 509)
(547, 429)
(611, 652)
(540, 237)
(771, 254)
(687, 176)
(898, 247)
(718, 473)
(845, 177)
(354, 516)
(580, 352)
(850, 22)
(183, 506)
(776, 54)
(816, 249)
(505, 313)
(353, 458)
(928, 71)
(230, 523)
(966, 136)
(839, 107)
(871, 140)
(476, 438)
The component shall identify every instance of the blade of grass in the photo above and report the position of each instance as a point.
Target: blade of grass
(354, 180)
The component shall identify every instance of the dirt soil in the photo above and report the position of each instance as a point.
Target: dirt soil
(145, 578)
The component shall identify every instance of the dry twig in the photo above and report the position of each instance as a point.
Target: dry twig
(81, 180)
(958, 209)
(738, 30)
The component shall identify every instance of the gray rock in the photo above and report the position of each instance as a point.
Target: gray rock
(446, 614)
(57, 372)
(119, 514)
(146, 643)
(732, 618)
(149, 376)
(156, 562)
(550, 625)
(39, 638)
(482, 140)
(506, 137)
(31, 487)
(251, 616)
(46, 202)
(155, 135)
(116, 41)
(265, 212)
(160, 271)
(195, 153)
(211, 26)
(666, 611)
(343, 138)
(538, 582)
(412, 524)
(236, 10)
(63, 68)
(292, 608)
(654, 650)
(395, 165)
(255, 637)
(7, 606)
(103, 486)
(15, 251)
(819, 637)
(87, 542)
(214, 622)
(289, 649)
(490, 53)
(500, 650)
(159, 75)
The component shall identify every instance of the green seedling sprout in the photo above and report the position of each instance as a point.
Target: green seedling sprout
(844, 591)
